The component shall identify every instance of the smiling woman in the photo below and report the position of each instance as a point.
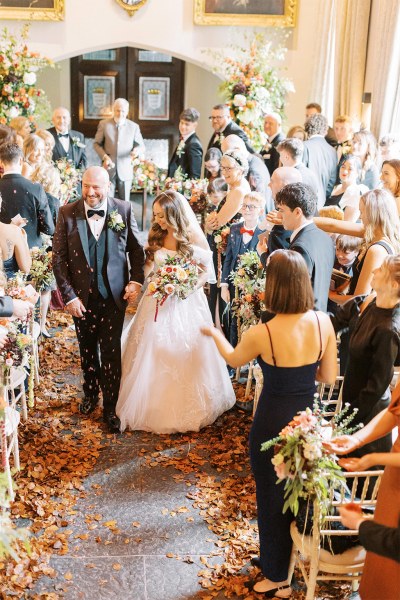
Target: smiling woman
(37, 10)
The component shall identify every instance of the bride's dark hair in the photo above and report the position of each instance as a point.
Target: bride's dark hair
(171, 203)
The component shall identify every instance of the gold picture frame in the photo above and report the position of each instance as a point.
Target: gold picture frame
(244, 15)
(131, 6)
(32, 10)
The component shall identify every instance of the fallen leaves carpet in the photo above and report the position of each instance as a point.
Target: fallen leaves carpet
(134, 516)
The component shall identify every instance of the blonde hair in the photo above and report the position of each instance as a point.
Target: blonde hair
(297, 129)
(392, 265)
(18, 123)
(32, 143)
(344, 119)
(47, 138)
(256, 197)
(49, 177)
(380, 218)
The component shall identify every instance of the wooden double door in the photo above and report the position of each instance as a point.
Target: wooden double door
(152, 82)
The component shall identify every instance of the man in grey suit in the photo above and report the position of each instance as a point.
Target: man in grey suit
(320, 157)
(118, 140)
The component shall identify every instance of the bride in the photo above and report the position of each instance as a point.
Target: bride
(173, 378)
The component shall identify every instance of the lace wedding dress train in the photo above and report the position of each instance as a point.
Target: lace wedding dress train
(173, 378)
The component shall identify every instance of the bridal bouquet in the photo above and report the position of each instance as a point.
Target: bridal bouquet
(41, 272)
(177, 277)
(301, 459)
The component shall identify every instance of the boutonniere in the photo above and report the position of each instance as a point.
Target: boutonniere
(115, 221)
(346, 149)
(77, 142)
(181, 148)
(219, 137)
(267, 148)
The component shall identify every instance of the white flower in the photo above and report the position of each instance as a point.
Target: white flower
(29, 78)
(181, 274)
(9, 362)
(239, 100)
(118, 219)
(13, 112)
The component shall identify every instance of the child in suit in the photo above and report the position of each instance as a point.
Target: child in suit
(243, 237)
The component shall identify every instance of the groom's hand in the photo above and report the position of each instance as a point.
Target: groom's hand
(75, 308)
(132, 291)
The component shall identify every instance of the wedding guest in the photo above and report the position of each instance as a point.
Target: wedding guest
(296, 204)
(7, 134)
(14, 249)
(188, 155)
(294, 349)
(319, 156)
(343, 128)
(291, 152)
(22, 197)
(346, 195)
(347, 248)
(34, 154)
(297, 131)
(22, 126)
(380, 228)
(234, 167)
(212, 163)
(257, 175)
(243, 238)
(117, 141)
(313, 108)
(223, 126)
(380, 536)
(49, 177)
(49, 143)
(68, 143)
(390, 177)
(365, 147)
(216, 193)
(273, 129)
(389, 147)
(92, 270)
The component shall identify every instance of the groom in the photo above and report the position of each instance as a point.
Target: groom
(94, 238)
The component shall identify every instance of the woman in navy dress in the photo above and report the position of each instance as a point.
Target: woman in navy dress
(294, 349)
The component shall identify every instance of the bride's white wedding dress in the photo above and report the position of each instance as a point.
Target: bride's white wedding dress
(173, 378)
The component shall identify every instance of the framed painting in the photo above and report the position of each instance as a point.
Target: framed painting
(256, 13)
(32, 10)
(154, 98)
(98, 96)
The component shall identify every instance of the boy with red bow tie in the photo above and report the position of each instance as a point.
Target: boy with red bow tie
(243, 237)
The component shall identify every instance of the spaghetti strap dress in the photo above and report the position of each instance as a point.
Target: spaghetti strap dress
(286, 391)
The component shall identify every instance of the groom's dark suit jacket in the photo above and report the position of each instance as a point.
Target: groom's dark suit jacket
(71, 261)
(317, 249)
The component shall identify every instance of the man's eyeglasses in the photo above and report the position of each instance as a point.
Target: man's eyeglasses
(249, 207)
(216, 118)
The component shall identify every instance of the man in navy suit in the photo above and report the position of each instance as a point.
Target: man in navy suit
(296, 204)
(243, 237)
(188, 155)
(69, 144)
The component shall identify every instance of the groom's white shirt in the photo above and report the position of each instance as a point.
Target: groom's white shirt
(96, 223)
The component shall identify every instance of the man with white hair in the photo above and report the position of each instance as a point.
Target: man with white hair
(69, 144)
(257, 175)
(117, 142)
(273, 129)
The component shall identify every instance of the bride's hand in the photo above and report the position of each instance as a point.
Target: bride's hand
(132, 291)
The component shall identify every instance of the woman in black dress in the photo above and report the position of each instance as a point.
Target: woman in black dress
(294, 349)
(374, 350)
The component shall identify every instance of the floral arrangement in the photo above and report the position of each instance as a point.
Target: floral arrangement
(18, 288)
(301, 459)
(70, 179)
(41, 273)
(249, 280)
(115, 222)
(146, 175)
(185, 186)
(177, 277)
(252, 86)
(201, 206)
(16, 349)
(18, 68)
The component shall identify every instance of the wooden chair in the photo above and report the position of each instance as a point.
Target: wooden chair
(331, 397)
(315, 562)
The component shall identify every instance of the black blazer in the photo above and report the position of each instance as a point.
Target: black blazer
(380, 539)
(71, 263)
(28, 199)
(189, 160)
(231, 129)
(278, 239)
(317, 249)
(270, 154)
(76, 154)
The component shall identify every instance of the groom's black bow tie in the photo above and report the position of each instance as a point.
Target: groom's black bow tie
(60, 135)
(91, 213)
